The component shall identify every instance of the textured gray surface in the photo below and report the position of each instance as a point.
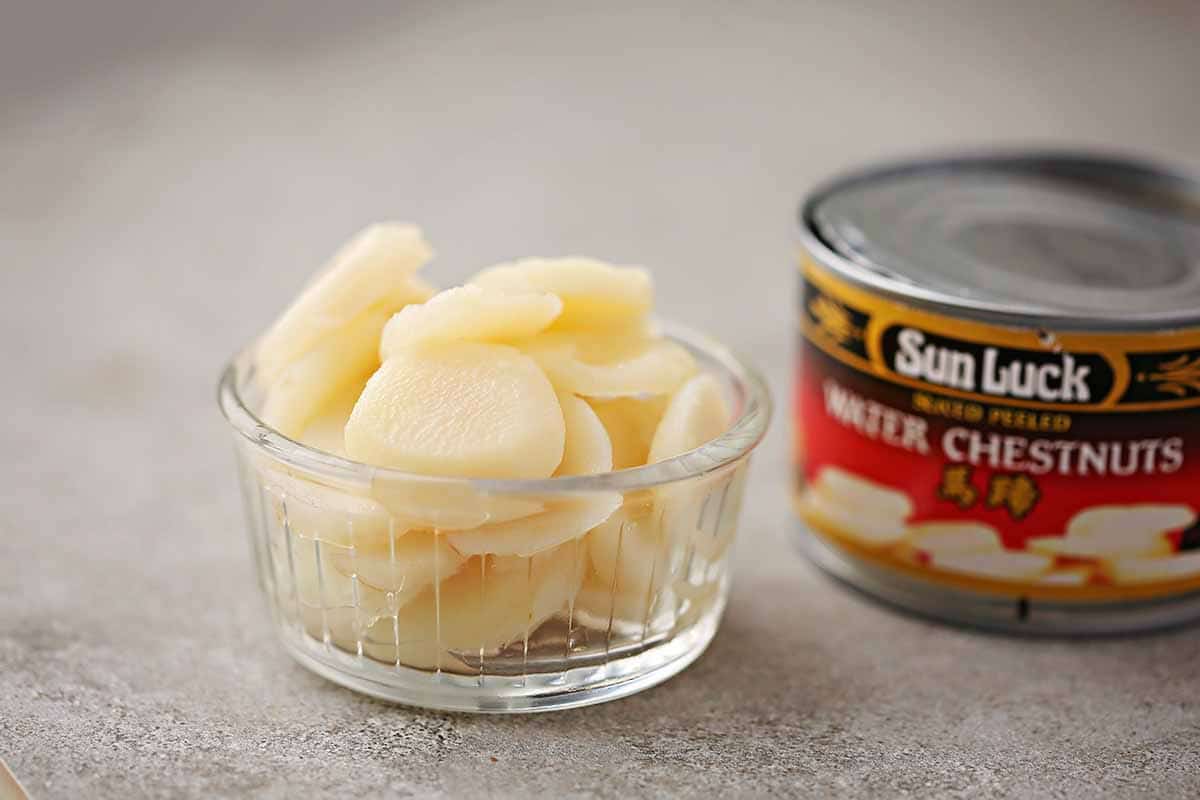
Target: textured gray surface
(171, 179)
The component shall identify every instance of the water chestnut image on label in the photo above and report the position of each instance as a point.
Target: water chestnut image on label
(999, 459)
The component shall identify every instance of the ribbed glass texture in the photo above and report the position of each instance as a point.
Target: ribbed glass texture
(488, 595)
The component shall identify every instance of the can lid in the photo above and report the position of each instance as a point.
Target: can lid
(1058, 237)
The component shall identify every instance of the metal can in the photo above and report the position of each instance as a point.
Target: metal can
(997, 397)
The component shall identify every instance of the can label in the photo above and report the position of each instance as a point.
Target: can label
(1002, 459)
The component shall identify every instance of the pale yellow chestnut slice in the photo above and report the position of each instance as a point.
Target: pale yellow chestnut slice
(863, 524)
(374, 269)
(463, 409)
(696, 512)
(701, 513)
(587, 449)
(453, 506)
(625, 613)
(593, 293)
(629, 552)
(696, 414)
(482, 608)
(470, 314)
(945, 537)
(1100, 547)
(659, 368)
(402, 566)
(315, 378)
(631, 423)
(327, 513)
(861, 494)
(321, 587)
(561, 522)
(328, 586)
(592, 345)
(316, 583)
(1114, 524)
(1002, 565)
(1184, 566)
(327, 429)
(1118, 531)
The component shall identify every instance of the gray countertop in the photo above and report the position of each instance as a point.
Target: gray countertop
(172, 177)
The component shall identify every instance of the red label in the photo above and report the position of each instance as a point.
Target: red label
(999, 459)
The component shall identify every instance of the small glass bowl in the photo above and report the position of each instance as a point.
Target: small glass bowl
(495, 595)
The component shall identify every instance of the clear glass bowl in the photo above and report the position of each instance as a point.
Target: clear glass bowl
(495, 595)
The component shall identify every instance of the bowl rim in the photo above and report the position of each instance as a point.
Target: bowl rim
(738, 440)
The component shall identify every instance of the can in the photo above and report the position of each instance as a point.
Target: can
(997, 395)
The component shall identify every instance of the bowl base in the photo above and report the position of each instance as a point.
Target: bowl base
(506, 694)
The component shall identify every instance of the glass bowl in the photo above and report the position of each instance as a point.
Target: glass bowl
(495, 595)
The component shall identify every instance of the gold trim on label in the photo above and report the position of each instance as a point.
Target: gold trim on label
(1174, 378)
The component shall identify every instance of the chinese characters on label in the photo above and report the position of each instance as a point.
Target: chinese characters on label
(1018, 493)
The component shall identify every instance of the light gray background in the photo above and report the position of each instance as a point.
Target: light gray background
(171, 175)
